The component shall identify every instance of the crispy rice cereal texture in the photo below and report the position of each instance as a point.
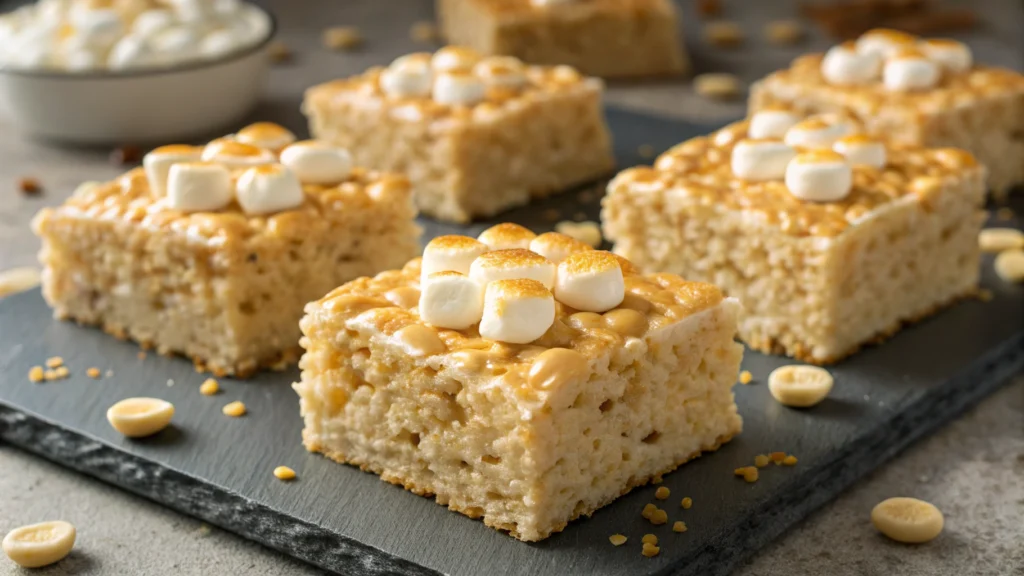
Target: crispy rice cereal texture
(817, 280)
(222, 288)
(472, 161)
(981, 111)
(527, 437)
(607, 38)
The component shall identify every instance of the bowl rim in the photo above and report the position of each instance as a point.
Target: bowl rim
(144, 72)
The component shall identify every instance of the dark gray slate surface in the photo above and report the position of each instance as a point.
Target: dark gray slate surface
(218, 468)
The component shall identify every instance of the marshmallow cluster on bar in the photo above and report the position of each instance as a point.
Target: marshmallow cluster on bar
(901, 61)
(771, 123)
(198, 186)
(819, 131)
(408, 77)
(265, 135)
(235, 154)
(317, 162)
(267, 189)
(84, 35)
(761, 159)
(158, 164)
(517, 286)
(861, 150)
(819, 176)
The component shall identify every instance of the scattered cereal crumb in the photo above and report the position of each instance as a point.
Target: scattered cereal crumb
(709, 8)
(679, 526)
(724, 34)
(424, 31)
(659, 517)
(1005, 213)
(617, 539)
(50, 375)
(650, 550)
(749, 473)
(649, 539)
(125, 155)
(170, 382)
(284, 473)
(783, 32)
(789, 460)
(657, 479)
(999, 239)
(662, 493)
(234, 409)
(717, 85)
(93, 372)
(645, 151)
(552, 214)
(649, 511)
(342, 37)
(687, 503)
(141, 355)
(761, 461)
(54, 362)
(29, 186)
(279, 52)
(587, 232)
(209, 387)
(18, 280)
(777, 457)
(1010, 265)
(36, 374)
(746, 377)
(62, 372)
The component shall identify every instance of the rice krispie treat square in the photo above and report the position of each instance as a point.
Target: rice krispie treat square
(476, 136)
(607, 38)
(829, 238)
(912, 91)
(212, 252)
(527, 386)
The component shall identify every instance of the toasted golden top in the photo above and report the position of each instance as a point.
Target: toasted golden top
(178, 150)
(454, 243)
(263, 131)
(517, 288)
(513, 258)
(527, 7)
(819, 156)
(589, 261)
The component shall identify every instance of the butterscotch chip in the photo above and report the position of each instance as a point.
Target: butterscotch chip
(789, 460)
(659, 517)
(724, 34)
(125, 155)
(234, 409)
(342, 38)
(649, 511)
(907, 520)
(209, 387)
(93, 372)
(424, 31)
(40, 544)
(777, 457)
(18, 280)
(679, 526)
(686, 503)
(649, 539)
(717, 85)
(284, 473)
(799, 386)
(761, 461)
(783, 32)
(650, 550)
(587, 232)
(1010, 265)
(661, 493)
(54, 361)
(29, 186)
(999, 239)
(749, 473)
(138, 417)
(746, 377)
(617, 539)
(279, 52)
(36, 374)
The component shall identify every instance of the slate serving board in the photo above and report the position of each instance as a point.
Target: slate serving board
(219, 469)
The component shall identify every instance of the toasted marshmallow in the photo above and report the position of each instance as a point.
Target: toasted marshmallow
(861, 150)
(198, 186)
(408, 77)
(771, 123)
(758, 160)
(317, 162)
(819, 131)
(159, 161)
(97, 26)
(265, 135)
(884, 42)
(507, 236)
(910, 71)
(557, 247)
(512, 264)
(590, 281)
(844, 65)
(450, 253)
(551, 2)
(501, 71)
(267, 189)
(235, 154)
(452, 58)
(819, 176)
(950, 55)
(151, 22)
(458, 88)
(451, 300)
(131, 52)
(516, 311)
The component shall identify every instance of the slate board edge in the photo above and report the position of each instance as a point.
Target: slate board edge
(231, 511)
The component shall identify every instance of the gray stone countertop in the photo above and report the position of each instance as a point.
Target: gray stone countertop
(973, 469)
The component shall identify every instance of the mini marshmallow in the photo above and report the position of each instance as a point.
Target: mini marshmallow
(219, 43)
(819, 176)
(512, 264)
(843, 65)
(83, 60)
(506, 236)
(590, 281)
(771, 123)
(557, 247)
(501, 71)
(267, 189)
(159, 161)
(265, 135)
(458, 88)
(884, 42)
(97, 26)
(910, 71)
(198, 186)
(317, 162)
(451, 300)
(758, 160)
(819, 131)
(861, 150)
(176, 43)
(450, 253)
(451, 58)
(130, 52)
(950, 55)
(516, 311)
(407, 77)
(151, 22)
(234, 154)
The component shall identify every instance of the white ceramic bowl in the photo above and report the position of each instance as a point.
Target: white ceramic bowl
(146, 106)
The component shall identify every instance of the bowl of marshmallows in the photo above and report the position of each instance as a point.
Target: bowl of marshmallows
(139, 71)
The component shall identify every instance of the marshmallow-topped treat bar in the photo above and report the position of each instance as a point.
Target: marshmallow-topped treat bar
(608, 38)
(829, 238)
(526, 380)
(912, 91)
(212, 251)
(475, 135)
